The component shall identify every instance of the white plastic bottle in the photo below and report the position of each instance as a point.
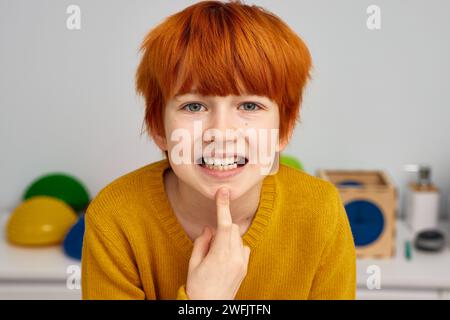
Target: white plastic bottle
(422, 202)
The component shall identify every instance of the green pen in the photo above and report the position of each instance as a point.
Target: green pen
(408, 250)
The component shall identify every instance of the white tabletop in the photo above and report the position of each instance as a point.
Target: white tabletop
(28, 263)
(424, 270)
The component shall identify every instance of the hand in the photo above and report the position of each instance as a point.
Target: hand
(218, 263)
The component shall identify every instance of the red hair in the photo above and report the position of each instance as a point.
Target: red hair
(222, 49)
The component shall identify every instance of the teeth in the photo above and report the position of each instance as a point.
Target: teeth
(222, 168)
(222, 164)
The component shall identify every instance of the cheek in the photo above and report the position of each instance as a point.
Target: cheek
(180, 133)
(269, 120)
(174, 125)
(174, 120)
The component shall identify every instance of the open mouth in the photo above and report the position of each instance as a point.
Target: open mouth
(223, 164)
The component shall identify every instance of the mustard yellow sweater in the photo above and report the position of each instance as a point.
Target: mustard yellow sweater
(300, 239)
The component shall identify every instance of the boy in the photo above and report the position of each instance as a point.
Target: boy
(216, 223)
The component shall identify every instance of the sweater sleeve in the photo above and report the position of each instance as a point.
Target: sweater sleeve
(335, 278)
(108, 271)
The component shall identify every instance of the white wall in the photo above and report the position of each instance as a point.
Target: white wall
(379, 99)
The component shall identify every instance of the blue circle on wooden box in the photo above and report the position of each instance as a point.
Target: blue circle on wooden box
(73, 242)
(366, 221)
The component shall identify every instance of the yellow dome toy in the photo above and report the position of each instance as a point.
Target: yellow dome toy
(40, 221)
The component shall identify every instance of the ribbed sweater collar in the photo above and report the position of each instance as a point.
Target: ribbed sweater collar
(253, 235)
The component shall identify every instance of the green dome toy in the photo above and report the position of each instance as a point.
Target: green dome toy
(61, 186)
(291, 161)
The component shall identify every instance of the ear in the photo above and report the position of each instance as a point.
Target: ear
(282, 143)
(161, 142)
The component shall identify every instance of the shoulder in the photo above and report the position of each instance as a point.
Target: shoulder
(309, 198)
(124, 193)
(303, 187)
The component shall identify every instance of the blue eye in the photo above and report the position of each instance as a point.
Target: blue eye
(252, 105)
(196, 108)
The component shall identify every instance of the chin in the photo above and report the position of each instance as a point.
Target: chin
(210, 192)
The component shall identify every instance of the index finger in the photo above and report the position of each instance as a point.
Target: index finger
(223, 208)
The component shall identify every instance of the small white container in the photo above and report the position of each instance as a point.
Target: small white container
(422, 208)
(422, 200)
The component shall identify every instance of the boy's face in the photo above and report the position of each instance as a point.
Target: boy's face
(207, 135)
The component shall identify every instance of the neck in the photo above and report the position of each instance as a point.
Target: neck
(197, 211)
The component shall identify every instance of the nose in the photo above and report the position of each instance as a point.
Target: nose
(220, 121)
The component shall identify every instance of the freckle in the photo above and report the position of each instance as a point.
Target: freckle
(246, 123)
